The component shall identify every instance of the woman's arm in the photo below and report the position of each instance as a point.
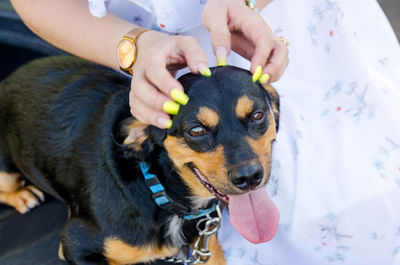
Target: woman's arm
(68, 25)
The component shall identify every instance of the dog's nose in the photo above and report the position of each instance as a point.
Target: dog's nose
(246, 177)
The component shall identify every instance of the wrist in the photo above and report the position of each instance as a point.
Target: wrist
(127, 49)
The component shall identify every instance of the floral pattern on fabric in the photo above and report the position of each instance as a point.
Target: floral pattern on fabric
(335, 173)
(356, 106)
(170, 16)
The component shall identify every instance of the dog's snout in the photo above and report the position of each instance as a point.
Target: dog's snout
(246, 177)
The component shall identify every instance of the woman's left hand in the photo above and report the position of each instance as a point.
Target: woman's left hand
(235, 26)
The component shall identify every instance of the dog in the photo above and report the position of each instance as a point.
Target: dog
(136, 193)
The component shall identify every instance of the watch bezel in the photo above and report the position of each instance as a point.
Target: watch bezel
(132, 53)
(131, 37)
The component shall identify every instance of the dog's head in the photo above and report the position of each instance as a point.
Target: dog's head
(222, 137)
(220, 142)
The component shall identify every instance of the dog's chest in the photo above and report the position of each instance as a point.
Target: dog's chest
(174, 231)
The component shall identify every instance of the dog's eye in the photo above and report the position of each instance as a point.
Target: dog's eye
(257, 116)
(197, 131)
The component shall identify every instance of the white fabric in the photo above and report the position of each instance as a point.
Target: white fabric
(173, 16)
(336, 161)
(97, 8)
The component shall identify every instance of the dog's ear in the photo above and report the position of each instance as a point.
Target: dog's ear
(139, 139)
(133, 138)
(273, 98)
(133, 133)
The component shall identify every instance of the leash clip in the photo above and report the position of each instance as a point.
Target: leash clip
(201, 254)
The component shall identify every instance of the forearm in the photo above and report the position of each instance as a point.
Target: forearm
(262, 3)
(68, 25)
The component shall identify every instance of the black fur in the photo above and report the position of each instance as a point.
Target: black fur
(61, 121)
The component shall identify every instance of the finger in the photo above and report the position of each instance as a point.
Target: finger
(216, 21)
(142, 89)
(283, 69)
(193, 54)
(277, 62)
(158, 75)
(285, 64)
(256, 31)
(148, 115)
(241, 45)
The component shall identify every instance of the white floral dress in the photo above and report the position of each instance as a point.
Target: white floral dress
(336, 161)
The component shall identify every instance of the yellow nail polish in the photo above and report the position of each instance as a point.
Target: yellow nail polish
(205, 72)
(221, 53)
(164, 123)
(257, 73)
(168, 124)
(171, 107)
(221, 61)
(179, 96)
(264, 78)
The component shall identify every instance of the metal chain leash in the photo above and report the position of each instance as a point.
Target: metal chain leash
(177, 260)
(201, 254)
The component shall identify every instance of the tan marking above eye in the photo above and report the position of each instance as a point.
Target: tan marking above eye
(244, 107)
(208, 117)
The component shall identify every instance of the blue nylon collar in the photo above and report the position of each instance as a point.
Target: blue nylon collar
(161, 198)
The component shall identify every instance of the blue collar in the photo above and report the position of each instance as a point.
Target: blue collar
(161, 198)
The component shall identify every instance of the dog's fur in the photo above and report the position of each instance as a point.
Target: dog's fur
(65, 125)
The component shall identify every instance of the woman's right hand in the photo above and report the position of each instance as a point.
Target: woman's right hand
(159, 56)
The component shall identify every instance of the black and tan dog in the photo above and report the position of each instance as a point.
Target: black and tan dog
(135, 192)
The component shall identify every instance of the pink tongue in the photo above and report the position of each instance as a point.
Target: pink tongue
(254, 216)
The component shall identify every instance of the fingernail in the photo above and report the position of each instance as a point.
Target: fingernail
(264, 78)
(179, 96)
(257, 73)
(203, 69)
(220, 53)
(171, 107)
(164, 123)
(205, 72)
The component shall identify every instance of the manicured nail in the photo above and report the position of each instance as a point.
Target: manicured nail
(257, 73)
(204, 70)
(264, 78)
(220, 53)
(171, 107)
(179, 96)
(164, 123)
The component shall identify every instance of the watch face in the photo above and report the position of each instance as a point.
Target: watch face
(126, 53)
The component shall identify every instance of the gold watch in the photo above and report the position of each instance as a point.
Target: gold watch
(126, 49)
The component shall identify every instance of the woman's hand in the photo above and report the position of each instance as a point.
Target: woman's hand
(154, 90)
(235, 26)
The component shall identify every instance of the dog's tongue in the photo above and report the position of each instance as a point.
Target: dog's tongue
(254, 215)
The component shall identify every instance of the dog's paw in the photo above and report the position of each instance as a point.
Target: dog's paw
(25, 199)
